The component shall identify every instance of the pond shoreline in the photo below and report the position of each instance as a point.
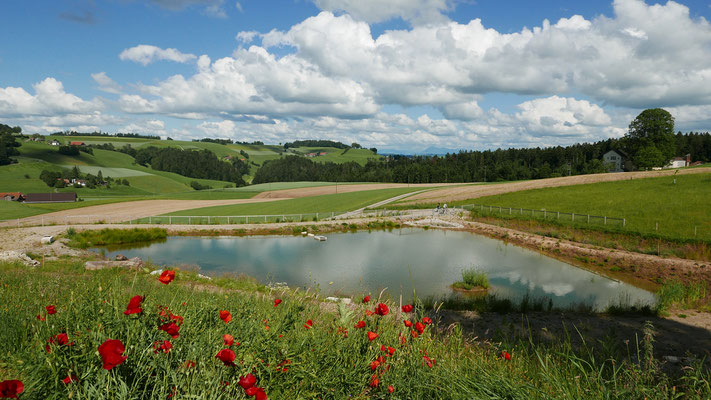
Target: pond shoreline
(641, 270)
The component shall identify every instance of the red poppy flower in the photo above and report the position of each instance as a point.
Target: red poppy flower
(51, 310)
(225, 316)
(382, 309)
(374, 382)
(426, 320)
(177, 318)
(420, 328)
(309, 324)
(247, 381)
(163, 346)
(227, 356)
(391, 389)
(69, 379)
(40, 317)
(413, 334)
(167, 276)
(372, 336)
(60, 339)
(110, 352)
(374, 365)
(368, 312)
(407, 323)
(391, 350)
(189, 364)
(10, 389)
(171, 329)
(407, 308)
(505, 355)
(228, 339)
(134, 305)
(360, 325)
(366, 299)
(277, 302)
(430, 361)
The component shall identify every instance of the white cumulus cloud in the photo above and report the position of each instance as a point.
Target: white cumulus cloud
(146, 54)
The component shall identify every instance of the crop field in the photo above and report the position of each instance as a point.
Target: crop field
(324, 203)
(678, 210)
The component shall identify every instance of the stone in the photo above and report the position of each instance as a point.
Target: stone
(47, 239)
(134, 263)
(121, 257)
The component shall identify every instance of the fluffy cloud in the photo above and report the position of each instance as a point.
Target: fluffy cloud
(417, 11)
(146, 54)
(105, 83)
(50, 98)
(212, 8)
(152, 126)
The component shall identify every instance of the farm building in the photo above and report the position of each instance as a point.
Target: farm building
(55, 142)
(679, 162)
(615, 159)
(50, 197)
(12, 196)
(76, 143)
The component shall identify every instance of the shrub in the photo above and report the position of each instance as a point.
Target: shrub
(472, 278)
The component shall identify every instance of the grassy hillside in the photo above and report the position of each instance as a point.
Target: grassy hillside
(325, 203)
(646, 203)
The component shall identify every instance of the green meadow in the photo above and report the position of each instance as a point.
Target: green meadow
(192, 338)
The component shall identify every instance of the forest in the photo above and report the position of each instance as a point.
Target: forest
(471, 166)
(201, 164)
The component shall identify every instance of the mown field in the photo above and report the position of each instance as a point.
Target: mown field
(68, 333)
(652, 206)
(326, 203)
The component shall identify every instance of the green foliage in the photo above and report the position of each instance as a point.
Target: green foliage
(675, 294)
(195, 164)
(651, 138)
(472, 278)
(8, 143)
(322, 361)
(105, 237)
(197, 186)
(68, 150)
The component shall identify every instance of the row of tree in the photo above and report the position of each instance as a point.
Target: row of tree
(105, 134)
(202, 164)
(57, 179)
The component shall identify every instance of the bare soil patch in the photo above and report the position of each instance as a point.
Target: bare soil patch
(475, 191)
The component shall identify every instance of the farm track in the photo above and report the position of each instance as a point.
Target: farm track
(474, 191)
(332, 189)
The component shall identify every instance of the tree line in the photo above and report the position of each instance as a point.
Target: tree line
(8, 143)
(105, 134)
(201, 164)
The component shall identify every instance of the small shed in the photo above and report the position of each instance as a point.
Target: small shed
(12, 196)
(50, 197)
(76, 143)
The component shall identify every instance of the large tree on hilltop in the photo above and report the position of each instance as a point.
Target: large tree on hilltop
(650, 140)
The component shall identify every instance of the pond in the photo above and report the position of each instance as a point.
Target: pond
(403, 260)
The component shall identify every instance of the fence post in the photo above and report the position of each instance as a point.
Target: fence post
(150, 220)
(589, 218)
(558, 214)
(170, 220)
(624, 221)
(509, 210)
(545, 213)
(573, 214)
(520, 211)
(265, 218)
(605, 220)
(656, 226)
(190, 220)
(208, 220)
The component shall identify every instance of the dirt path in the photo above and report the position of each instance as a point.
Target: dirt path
(475, 191)
(321, 190)
(120, 212)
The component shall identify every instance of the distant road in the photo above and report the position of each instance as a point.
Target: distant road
(475, 191)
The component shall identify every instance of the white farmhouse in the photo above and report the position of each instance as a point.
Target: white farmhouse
(615, 159)
(679, 162)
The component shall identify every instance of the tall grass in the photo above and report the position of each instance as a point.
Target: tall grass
(675, 294)
(472, 278)
(323, 361)
(107, 236)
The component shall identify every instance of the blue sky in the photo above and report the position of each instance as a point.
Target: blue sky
(400, 75)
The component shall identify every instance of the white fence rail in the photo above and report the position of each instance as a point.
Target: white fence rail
(546, 214)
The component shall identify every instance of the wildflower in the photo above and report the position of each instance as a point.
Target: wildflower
(163, 346)
(61, 339)
(430, 361)
(69, 379)
(391, 350)
(407, 323)
(426, 320)
(189, 364)
(247, 381)
(134, 305)
(505, 355)
(257, 392)
(359, 325)
(167, 276)
(225, 316)
(282, 366)
(171, 329)
(51, 310)
(420, 328)
(309, 324)
(413, 334)
(277, 302)
(10, 389)
(372, 336)
(366, 299)
(40, 317)
(227, 356)
(382, 309)
(110, 352)
(228, 339)
(407, 308)
(368, 312)
(391, 389)
(374, 365)
(374, 381)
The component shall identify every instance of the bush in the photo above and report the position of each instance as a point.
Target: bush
(198, 186)
(68, 150)
(472, 278)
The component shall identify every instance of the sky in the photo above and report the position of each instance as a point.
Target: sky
(410, 76)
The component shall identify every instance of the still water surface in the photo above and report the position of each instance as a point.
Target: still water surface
(426, 261)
